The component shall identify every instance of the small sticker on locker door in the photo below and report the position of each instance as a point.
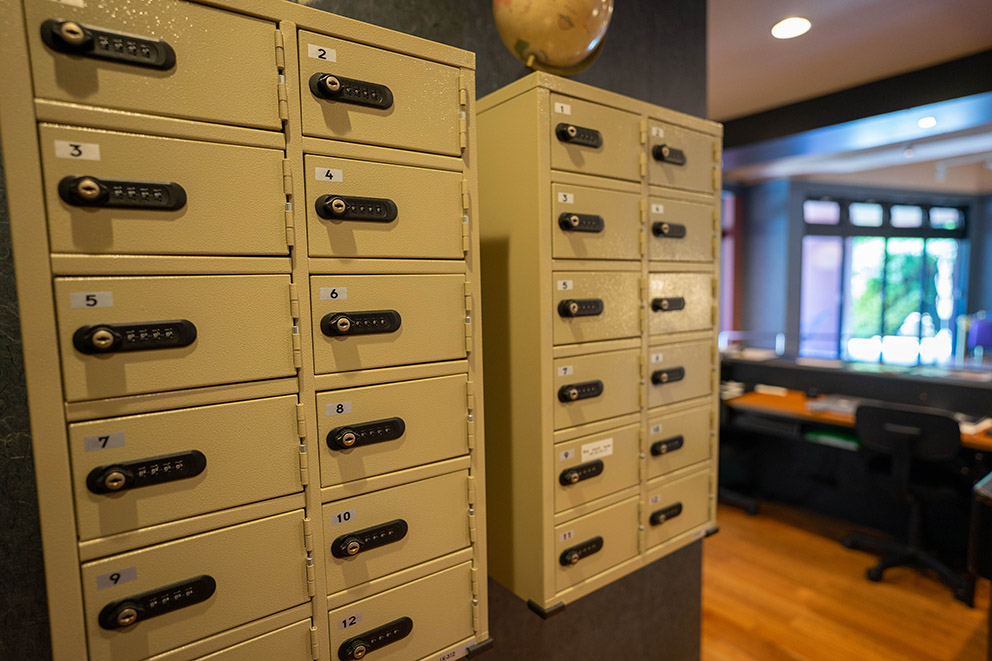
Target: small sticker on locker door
(563, 108)
(103, 441)
(657, 357)
(658, 209)
(456, 653)
(337, 408)
(79, 151)
(115, 578)
(603, 448)
(566, 198)
(71, 3)
(91, 299)
(655, 430)
(565, 285)
(566, 455)
(565, 370)
(657, 132)
(321, 53)
(342, 517)
(333, 293)
(566, 536)
(328, 174)
(655, 499)
(349, 620)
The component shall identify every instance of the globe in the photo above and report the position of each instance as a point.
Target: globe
(559, 36)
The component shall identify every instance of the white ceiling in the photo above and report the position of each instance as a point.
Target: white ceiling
(852, 42)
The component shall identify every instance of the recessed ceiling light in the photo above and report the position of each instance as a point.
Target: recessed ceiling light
(927, 122)
(791, 27)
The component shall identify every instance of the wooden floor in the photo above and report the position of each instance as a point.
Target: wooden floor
(779, 586)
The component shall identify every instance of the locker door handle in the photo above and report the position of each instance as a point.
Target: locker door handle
(573, 554)
(77, 39)
(668, 154)
(141, 336)
(579, 135)
(661, 377)
(658, 448)
(341, 324)
(359, 646)
(668, 304)
(348, 90)
(125, 475)
(668, 230)
(125, 612)
(581, 222)
(584, 390)
(665, 514)
(576, 474)
(87, 191)
(353, 543)
(346, 207)
(580, 307)
(365, 433)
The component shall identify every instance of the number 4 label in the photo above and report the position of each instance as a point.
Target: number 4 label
(328, 174)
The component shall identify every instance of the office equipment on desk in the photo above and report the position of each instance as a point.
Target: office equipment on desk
(905, 447)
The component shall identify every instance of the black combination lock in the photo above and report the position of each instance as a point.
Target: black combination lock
(661, 377)
(581, 222)
(570, 476)
(362, 644)
(667, 154)
(578, 135)
(576, 391)
(573, 554)
(86, 191)
(669, 304)
(349, 90)
(343, 324)
(115, 338)
(114, 478)
(77, 39)
(665, 514)
(668, 230)
(667, 445)
(353, 543)
(343, 207)
(580, 307)
(365, 433)
(125, 612)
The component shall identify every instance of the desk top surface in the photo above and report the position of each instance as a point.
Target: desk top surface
(792, 404)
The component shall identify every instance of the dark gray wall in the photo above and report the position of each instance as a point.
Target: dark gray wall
(980, 293)
(654, 51)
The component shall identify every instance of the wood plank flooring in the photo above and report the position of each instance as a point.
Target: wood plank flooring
(780, 587)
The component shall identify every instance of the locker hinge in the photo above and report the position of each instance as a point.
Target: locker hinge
(641, 532)
(475, 597)
(314, 645)
(644, 131)
(470, 395)
(294, 301)
(462, 89)
(304, 466)
(472, 533)
(297, 348)
(717, 178)
(471, 431)
(643, 241)
(466, 235)
(283, 95)
(290, 228)
(287, 178)
(311, 576)
(644, 164)
(465, 199)
(307, 534)
(301, 422)
(462, 130)
(287, 189)
(644, 466)
(280, 50)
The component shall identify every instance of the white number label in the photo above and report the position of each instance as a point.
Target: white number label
(566, 455)
(81, 151)
(456, 653)
(565, 285)
(657, 357)
(657, 132)
(333, 293)
(566, 198)
(655, 430)
(116, 578)
(72, 3)
(328, 174)
(342, 517)
(603, 448)
(565, 370)
(337, 408)
(91, 299)
(321, 53)
(658, 208)
(349, 621)
(103, 441)
(655, 499)
(567, 535)
(563, 108)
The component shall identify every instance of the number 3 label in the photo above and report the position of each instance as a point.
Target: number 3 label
(80, 151)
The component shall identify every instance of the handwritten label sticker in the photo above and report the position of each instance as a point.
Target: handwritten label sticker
(655, 499)
(657, 357)
(333, 293)
(91, 299)
(349, 620)
(566, 455)
(321, 53)
(655, 430)
(565, 285)
(566, 370)
(79, 151)
(328, 174)
(563, 108)
(566, 198)
(103, 441)
(115, 578)
(657, 208)
(337, 408)
(342, 517)
(657, 132)
(597, 450)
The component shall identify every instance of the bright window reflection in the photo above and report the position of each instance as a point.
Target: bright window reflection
(864, 214)
(821, 212)
(945, 218)
(906, 216)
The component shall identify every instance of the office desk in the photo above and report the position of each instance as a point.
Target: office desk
(792, 406)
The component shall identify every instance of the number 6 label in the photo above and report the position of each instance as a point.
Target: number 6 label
(333, 293)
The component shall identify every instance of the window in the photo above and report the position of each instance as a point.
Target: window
(882, 282)
(727, 246)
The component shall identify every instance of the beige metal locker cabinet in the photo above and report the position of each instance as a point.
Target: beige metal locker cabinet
(245, 237)
(600, 239)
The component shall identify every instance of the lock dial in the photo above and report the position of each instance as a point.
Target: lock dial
(573, 554)
(661, 377)
(668, 154)
(365, 433)
(88, 191)
(665, 514)
(345, 207)
(348, 90)
(125, 475)
(580, 307)
(341, 324)
(669, 304)
(668, 230)
(578, 135)
(581, 222)
(577, 391)
(359, 646)
(353, 543)
(576, 474)
(77, 39)
(667, 445)
(125, 612)
(144, 336)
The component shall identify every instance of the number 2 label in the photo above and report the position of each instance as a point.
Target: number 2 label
(321, 53)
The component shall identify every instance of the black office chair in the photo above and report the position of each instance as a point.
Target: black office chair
(910, 448)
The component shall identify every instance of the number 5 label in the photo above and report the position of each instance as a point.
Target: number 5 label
(91, 299)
